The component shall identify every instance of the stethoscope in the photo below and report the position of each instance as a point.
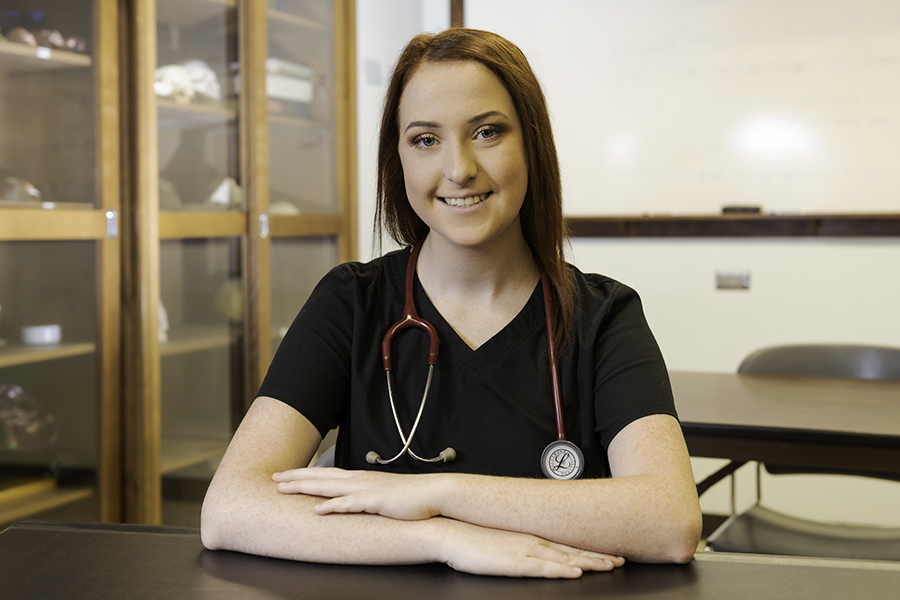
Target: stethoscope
(561, 458)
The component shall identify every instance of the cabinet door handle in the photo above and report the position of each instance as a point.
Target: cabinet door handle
(264, 225)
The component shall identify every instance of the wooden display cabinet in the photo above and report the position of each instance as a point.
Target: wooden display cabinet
(241, 196)
(59, 261)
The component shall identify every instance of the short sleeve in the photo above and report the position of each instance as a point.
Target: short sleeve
(310, 369)
(630, 376)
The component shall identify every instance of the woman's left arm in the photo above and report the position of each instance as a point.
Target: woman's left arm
(647, 511)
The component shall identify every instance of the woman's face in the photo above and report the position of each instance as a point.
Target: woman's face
(462, 153)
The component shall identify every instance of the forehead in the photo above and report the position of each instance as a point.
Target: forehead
(440, 91)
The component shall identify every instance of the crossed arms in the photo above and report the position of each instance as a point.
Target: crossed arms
(261, 502)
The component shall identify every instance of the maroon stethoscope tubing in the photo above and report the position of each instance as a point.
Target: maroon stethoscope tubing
(410, 316)
(551, 352)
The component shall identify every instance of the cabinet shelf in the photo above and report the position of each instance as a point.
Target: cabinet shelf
(21, 58)
(307, 225)
(175, 115)
(201, 224)
(64, 222)
(17, 354)
(183, 340)
(178, 454)
(23, 499)
(47, 205)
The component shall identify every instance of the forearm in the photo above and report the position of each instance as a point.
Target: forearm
(253, 517)
(640, 517)
(648, 510)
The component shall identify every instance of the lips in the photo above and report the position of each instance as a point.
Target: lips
(466, 201)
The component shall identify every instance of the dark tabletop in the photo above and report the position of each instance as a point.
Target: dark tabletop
(74, 561)
(809, 421)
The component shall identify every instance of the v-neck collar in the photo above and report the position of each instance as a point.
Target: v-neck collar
(504, 342)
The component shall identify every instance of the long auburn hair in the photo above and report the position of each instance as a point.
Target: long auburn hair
(541, 216)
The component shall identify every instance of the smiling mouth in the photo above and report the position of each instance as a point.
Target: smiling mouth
(467, 201)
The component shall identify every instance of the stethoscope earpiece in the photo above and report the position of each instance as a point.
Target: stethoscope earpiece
(446, 455)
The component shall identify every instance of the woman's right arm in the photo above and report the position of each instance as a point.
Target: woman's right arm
(244, 511)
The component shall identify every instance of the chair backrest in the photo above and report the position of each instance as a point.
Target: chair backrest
(825, 360)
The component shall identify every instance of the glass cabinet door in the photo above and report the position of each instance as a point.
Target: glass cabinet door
(201, 374)
(48, 135)
(309, 106)
(202, 225)
(300, 101)
(49, 379)
(195, 86)
(300, 98)
(308, 97)
(297, 266)
(59, 261)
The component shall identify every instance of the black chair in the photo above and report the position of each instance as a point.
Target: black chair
(760, 530)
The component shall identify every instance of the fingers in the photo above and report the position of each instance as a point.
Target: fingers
(485, 551)
(564, 561)
(588, 555)
(345, 504)
(310, 473)
(350, 492)
(549, 565)
(326, 488)
(313, 481)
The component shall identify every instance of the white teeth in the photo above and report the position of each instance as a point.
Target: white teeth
(470, 201)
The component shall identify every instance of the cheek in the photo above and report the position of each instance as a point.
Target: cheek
(514, 175)
(419, 181)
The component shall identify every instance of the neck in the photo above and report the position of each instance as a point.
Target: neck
(485, 272)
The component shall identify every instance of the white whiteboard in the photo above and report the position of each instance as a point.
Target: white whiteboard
(684, 106)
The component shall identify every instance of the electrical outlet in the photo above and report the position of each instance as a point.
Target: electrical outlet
(732, 280)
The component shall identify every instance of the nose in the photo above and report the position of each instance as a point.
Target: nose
(460, 164)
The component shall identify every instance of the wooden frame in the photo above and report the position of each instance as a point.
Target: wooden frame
(457, 13)
(141, 285)
(106, 16)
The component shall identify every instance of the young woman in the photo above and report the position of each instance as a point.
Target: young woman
(469, 178)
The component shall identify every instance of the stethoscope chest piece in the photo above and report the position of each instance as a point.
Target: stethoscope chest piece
(562, 460)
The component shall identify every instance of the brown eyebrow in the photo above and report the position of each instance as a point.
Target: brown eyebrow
(425, 124)
(475, 119)
(490, 113)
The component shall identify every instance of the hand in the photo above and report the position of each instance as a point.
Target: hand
(405, 497)
(485, 551)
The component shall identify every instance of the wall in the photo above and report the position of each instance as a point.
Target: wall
(383, 29)
(682, 106)
(802, 290)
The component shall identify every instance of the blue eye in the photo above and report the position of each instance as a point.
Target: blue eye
(488, 132)
(425, 141)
